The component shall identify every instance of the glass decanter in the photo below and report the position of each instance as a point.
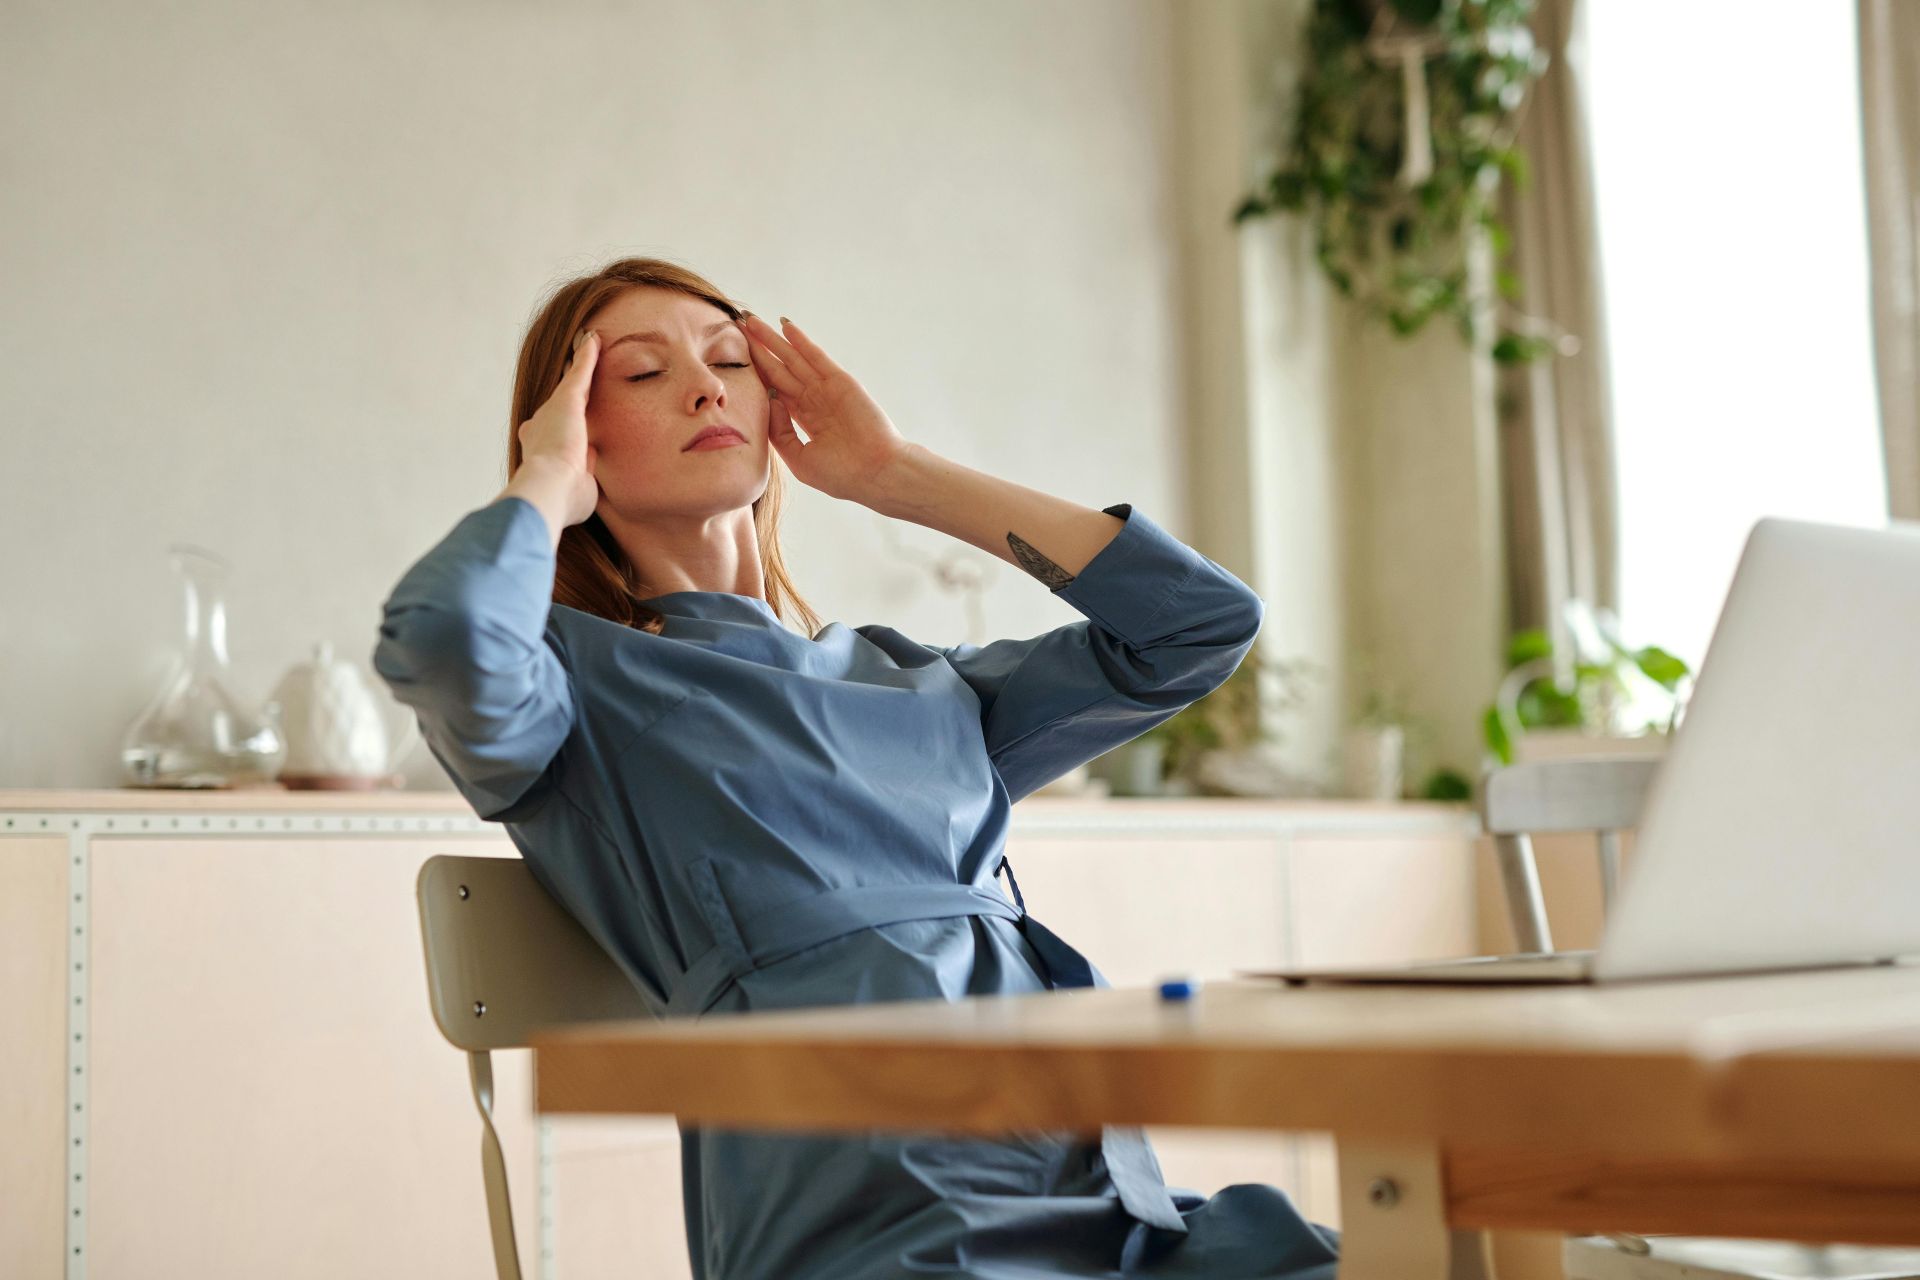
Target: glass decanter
(194, 733)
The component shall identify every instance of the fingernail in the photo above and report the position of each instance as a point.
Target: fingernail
(784, 320)
(579, 338)
(745, 314)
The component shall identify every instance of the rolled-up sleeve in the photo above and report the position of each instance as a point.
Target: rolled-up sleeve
(464, 642)
(1165, 626)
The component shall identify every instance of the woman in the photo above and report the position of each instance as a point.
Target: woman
(746, 818)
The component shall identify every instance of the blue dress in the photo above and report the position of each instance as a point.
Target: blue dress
(746, 818)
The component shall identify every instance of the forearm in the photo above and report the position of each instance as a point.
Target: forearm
(1051, 538)
(546, 486)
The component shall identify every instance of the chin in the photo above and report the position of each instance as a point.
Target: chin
(735, 492)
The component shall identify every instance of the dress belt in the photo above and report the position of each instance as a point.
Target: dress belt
(743, 945)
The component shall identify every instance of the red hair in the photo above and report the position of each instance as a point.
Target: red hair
(592, 573)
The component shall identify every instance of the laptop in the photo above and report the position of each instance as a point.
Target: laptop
(1782, 829)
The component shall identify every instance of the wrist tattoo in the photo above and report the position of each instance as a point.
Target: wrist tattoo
(1038, 565)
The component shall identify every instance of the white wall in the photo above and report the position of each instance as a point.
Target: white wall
(266, 270)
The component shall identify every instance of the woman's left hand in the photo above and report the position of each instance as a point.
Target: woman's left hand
(850, 443)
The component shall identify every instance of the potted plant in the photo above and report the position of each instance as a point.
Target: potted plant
(1373, 750)
(1385, 739)
(1172, 757)
(1403, 127)
(1616, 691)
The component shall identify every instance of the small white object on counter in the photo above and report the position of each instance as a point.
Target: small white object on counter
(333, 722)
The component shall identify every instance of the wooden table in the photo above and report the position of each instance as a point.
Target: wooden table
(1781, 1106)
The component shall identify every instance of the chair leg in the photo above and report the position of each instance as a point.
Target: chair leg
(493, 1161)
(1609, 871)
(1520, 879)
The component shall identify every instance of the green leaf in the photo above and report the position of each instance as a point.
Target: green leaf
(1446, 784)
(1519, 348)
(1528, 645)
(1542, 703)
(1495, 732)
(1288, 189)
(1561, 710)
(1514, 161)
(1348, 145)
(1251, 207)
(1350, 16)
(1661, 666)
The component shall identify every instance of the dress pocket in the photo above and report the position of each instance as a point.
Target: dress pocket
(717, 912)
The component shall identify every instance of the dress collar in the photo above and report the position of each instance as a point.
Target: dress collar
(725, 606)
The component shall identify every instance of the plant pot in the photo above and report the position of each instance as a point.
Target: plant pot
(1135, 768)
(1373, 762)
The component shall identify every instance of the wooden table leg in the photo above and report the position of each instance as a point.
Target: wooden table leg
(1393, 1216)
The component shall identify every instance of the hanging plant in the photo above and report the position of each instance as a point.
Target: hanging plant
(1404, 126)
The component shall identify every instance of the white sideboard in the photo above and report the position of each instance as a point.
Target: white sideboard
(219, 1060)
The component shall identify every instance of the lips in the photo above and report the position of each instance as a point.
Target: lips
(710, 432)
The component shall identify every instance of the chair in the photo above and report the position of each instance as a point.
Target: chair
(1606, 795)
(504, 958)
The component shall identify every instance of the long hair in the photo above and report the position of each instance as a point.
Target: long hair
(591, 572)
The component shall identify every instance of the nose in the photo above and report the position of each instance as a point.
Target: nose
(708, 386)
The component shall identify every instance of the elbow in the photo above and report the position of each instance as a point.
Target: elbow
(421, 646)
(1236, 624)
(1254, 612)
(1185, 673)
(1237, 633)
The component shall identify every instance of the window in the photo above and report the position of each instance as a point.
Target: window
(1727, 175)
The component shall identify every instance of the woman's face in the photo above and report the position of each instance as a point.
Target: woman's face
(671, 365)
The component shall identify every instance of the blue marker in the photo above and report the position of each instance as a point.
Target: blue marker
(1179, 988)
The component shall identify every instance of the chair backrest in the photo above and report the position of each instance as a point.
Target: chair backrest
(1599, 793)
(504, 958)
(1603, 794)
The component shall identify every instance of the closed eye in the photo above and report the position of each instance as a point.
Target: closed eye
(642, 377)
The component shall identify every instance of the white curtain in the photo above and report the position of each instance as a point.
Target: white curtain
(1890, 128)
(1561, 500)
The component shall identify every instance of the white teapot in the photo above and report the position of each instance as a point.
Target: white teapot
(335, 729)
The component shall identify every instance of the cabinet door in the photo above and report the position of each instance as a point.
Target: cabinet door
(33, 1059)
(270, 1096)
(616, 1191)
(1150, 906)
(1361, 900)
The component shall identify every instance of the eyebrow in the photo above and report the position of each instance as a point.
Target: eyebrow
(654, 335)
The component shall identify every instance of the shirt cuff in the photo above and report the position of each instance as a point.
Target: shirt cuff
(1130, 580)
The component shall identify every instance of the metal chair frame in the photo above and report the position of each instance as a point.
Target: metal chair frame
(502, 959)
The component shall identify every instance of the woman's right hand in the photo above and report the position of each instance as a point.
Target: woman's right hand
(556, 461)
